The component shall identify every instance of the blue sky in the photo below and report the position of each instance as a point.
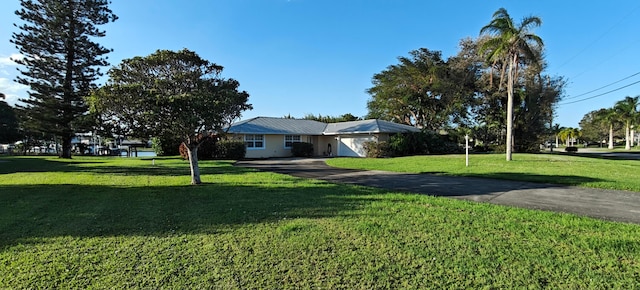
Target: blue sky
(318, 56)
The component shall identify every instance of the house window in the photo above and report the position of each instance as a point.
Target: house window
(290, 139)
(254, 141)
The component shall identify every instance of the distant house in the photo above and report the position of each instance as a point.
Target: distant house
(267, 137)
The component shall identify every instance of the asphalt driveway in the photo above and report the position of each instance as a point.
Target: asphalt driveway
(614, 205)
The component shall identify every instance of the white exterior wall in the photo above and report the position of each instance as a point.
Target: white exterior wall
(353, 145)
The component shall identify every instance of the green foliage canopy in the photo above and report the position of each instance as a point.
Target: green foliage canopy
(170, 93)
(423, 90)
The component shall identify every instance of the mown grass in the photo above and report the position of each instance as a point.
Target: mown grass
(124, 223)
(545, 168)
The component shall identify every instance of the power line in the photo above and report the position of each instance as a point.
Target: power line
(600, 37)
(613, 83)
(605, 93)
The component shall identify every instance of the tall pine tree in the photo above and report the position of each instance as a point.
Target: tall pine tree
(61, 60)
(8, 123)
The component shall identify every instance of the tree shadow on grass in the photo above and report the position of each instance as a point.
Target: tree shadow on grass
(32, 212)
(545, 180)
(16, 164)
(101, 165)
(608, 155)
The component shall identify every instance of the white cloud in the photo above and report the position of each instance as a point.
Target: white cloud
(7, 60)
(12, 90)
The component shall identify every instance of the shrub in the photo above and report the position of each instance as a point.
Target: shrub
(166, 146)
(480, 148)
(375, 149)
(571, 149)
(530, 147)
(212, 149)
(413, 143)
(302, 149)
(206, 150)
(498, 148)
(230, 150)
(417, 143)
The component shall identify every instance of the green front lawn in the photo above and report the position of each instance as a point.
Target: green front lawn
(545, 168)
(125, 223)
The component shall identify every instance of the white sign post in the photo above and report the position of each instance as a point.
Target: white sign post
(466, 147)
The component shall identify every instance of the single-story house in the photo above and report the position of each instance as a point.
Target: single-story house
(267, 137)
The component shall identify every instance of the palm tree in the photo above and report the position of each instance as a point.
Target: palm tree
(575, 134)
(608, 117)
(564, 136)
(569, 135)
(510, 43)
(627, 112)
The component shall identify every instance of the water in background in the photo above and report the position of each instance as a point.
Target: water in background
(141, 154)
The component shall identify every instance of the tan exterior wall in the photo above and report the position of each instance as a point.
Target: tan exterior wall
(274, 145)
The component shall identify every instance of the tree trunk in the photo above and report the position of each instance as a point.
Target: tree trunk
(66, 147)
(627, 145)
(510, 81)
(610, 136)
(193, 165)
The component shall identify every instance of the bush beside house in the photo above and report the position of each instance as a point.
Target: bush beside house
(213, 149)
(413, 143)
(302, 149)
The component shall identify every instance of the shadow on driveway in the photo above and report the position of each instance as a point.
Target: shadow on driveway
(612, 205)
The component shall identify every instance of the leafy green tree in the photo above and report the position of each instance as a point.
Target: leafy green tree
(61, 60)
(627, 112)
(600, 124)
(171, 93)
(534, 102)
(592, 127)
(331, 119)
(535, 97)
(423, 90)
(510, 44)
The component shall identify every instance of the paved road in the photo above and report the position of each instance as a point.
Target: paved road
(614, 205)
